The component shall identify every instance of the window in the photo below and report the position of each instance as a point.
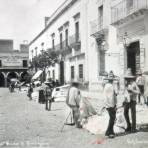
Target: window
(77, 31)
(53, 46)
(129, 4)
(66, 37)
(49, 73)
(25, 64)
(81, 71)
(100, 16)
(32, 53)
(61, 40)
(0, 63)
(72, 72)
(53, 74)
(102, 62)
(36, 51)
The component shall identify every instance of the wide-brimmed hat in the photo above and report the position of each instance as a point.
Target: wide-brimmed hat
(139, 72)
(111, 76)
(128, 74)
(75, 82)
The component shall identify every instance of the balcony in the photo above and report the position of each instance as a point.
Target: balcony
(75, 42)
(127, 9)
(63, 48)
(97, 28)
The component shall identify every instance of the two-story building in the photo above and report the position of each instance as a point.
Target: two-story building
(103, 53)
(13, 63)
(65, 32)
(95, 36)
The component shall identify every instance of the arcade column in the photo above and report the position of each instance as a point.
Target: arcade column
(5, 82)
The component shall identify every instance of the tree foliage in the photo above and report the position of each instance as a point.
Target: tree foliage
(46, 58)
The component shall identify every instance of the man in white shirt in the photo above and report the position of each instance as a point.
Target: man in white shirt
(110, 104)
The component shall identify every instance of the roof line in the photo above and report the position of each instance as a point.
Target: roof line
(54, 18)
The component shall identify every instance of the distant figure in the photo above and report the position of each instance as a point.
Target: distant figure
(73, 101)
(30, 91)
(140, 82)
(48, 98)
(12, 86)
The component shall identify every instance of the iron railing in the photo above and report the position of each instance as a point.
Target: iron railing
(127, 7)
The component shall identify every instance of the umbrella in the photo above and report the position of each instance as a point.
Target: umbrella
(14, 80)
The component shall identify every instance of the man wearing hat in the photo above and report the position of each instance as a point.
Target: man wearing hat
(110, 104)
(130, 95)
(73, 101)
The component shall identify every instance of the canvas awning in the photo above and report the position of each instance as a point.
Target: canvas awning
(37, 74)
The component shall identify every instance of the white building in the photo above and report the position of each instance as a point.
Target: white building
(130, 17)
(89, 36)
(65, 33)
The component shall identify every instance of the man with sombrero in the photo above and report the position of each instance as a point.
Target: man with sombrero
(73, 101)
(130, 95)
(110, 104)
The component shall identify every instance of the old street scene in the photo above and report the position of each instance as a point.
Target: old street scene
(74, 73)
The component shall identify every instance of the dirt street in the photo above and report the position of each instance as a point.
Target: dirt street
(25, 123)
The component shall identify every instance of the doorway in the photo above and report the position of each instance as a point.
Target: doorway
(62, 72)
(2, 80)
(10, 76)
(133, 57)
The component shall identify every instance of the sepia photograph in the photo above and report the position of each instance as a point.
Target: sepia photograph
(73, 73)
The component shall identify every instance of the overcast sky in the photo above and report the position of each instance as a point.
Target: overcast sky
(24, 19)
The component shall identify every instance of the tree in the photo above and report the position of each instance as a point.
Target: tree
(46, 58)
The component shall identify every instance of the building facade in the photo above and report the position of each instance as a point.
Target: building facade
(65, 34)
(13, 64)
(130, 18)
(93, 37)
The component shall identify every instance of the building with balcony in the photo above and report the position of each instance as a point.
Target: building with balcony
(130, 17)
(65, 33)
(103, 53)
(13, 63)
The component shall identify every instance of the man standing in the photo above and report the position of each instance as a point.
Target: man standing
(110, 104)
(130, 95)
(48, 98)
(73, 100)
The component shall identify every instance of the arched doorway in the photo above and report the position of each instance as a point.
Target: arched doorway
(10, 76)
(2, 80)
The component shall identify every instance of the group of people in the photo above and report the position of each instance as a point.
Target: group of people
(45, 92)
(132, 90)
(13, 85)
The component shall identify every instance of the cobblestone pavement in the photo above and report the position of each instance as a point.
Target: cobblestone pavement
(27, 124)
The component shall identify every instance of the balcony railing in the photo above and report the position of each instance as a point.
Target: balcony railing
(72, 42)
(126, 8)
(75, 41)
(96, 26)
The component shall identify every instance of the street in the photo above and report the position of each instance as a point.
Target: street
(25, 123)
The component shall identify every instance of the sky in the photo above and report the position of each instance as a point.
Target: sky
(23, 19)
